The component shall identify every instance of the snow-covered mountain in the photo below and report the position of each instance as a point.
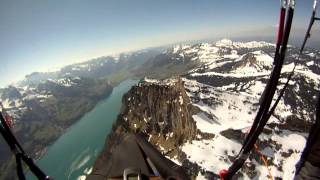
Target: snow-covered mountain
(229, 93)
(211, 108)
(45, 104)
(39, 86)
(17, 99)
(229, 115)
(103, 67)
(224, 82)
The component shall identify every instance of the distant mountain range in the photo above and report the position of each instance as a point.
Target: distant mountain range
(45, 104)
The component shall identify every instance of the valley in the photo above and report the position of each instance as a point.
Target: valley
(216, 82)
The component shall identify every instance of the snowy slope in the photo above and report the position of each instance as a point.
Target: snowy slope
(222, 111)
(16, 100)
(226, 86)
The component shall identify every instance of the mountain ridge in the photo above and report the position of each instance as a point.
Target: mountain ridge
(212, 73)
(44, 105)
(224, 84)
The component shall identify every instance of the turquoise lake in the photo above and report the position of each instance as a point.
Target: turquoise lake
(73, 154)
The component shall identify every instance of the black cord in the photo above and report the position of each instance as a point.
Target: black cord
(316, 126)
(264, 108)
(19, 152)
(268, 92)
(20, 172)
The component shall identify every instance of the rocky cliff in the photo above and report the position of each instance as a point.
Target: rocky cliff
(159, 110)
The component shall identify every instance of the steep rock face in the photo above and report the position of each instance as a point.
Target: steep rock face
(161, 111)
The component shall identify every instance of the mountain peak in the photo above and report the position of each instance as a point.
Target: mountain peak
(251, 44)
(179, 47)
(254, 62)
(224, 43)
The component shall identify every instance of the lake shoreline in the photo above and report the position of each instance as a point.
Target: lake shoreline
(81, 142)
(42, 152)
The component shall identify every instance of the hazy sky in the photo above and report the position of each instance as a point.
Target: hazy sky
(38, 35)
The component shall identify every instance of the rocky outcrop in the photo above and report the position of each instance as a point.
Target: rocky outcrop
(161, 111)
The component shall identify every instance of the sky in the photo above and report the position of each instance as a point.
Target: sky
(43, 35)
